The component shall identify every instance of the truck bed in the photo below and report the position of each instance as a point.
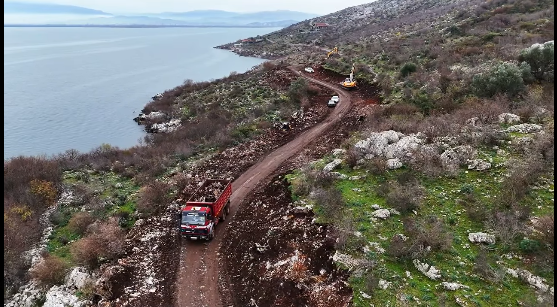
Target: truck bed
(210, 191)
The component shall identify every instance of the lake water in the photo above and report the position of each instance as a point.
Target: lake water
(77, 88)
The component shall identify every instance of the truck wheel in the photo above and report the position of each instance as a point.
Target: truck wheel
(223, 217)
(211, 236)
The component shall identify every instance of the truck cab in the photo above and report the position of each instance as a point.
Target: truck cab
(197, 223)
(207, 206)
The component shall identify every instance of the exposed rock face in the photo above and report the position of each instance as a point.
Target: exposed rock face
(142, 117)
(389, 144)
(338, 175)
(27, 296)
(166, 127)
(381, 213)
(478, 164)
(30, 294)
(481, 237)
(350, 262)
(508, 118)
(338, 152)
(57, 296)
(394, 163)
(331, 166)
(454, 157)
(428, 270)
(103, 285)
(61, 296)
(383, 284)
(534, 281)
(78, 278)
(452, 286)
(524, 128)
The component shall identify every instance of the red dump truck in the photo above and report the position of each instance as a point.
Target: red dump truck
(206, 207)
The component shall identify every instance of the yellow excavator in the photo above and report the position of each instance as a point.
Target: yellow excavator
(350, 83)
(334, 51)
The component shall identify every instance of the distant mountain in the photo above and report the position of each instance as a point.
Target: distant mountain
(125, 20)
(192, 18)
(198, 15)
(268, 16)
(12, 7)
(234, 18)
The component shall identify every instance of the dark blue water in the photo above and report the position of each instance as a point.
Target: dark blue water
(79, 88)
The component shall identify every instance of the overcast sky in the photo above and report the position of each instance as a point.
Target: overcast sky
(321, 7)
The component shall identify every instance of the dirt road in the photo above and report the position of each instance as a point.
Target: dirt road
(199, 268)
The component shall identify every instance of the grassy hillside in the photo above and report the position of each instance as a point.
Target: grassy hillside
(431, 212)
(439, 74)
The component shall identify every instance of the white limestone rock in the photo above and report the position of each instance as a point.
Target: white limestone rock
(508, 118)
(338, 175)
(78, 278)
(27, 296)
(478, 164)
(524, 128)
(61, 296)
(537, 282)
(381, 213)
(338, 152)
(454, 157)
(453, 286)
(394, 163)
(383, 284)
(481, 237)
(428, 270)
(331, 166)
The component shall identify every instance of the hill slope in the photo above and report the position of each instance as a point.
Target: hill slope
(11, 7)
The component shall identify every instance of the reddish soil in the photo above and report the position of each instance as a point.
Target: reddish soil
(203, 264)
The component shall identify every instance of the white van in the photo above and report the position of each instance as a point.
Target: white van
(333, 101)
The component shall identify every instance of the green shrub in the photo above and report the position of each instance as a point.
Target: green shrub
(467, 188)
(529, 246)
(423, 101)
(408, 68)
(526, 70)
(503, 78)
(298, 90)
(455, 30)
(540, 59)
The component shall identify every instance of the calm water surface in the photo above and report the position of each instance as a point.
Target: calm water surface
(77, 88)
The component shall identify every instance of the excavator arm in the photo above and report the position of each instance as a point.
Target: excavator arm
(334, 51)
(350, 83)
(352, 73)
